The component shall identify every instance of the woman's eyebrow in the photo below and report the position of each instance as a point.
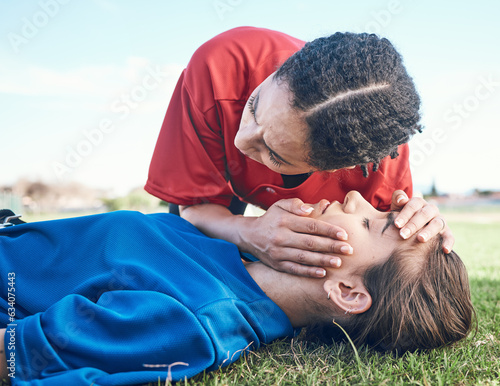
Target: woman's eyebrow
(390, 221)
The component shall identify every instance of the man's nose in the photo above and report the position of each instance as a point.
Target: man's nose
(247, 137)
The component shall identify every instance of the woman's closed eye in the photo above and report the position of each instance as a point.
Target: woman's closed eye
(366, 223)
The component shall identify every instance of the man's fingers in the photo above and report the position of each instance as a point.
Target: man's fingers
(408, 211)
(321, 244)
(448, 240)
(312, 226)
(419, 220)
(295, 206)
(399, 199)
(306, 263)
(310, 258)
(304, 224)
(302, 270)
(434, 227)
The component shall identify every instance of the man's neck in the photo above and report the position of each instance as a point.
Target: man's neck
(302, 299)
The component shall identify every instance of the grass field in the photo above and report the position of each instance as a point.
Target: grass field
(474, 361)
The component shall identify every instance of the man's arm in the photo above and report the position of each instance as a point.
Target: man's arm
(284, 238)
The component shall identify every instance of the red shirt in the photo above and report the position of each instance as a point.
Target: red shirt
(195, 160)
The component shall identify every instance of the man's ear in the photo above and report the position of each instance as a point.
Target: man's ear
(350, 296)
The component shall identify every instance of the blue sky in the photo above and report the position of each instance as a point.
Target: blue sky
(84, 85)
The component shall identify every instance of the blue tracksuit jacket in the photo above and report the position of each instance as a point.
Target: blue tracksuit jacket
(125, 298)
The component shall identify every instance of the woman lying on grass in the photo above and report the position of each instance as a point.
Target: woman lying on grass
(126, 298)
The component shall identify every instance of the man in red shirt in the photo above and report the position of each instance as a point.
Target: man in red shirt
(235, 128)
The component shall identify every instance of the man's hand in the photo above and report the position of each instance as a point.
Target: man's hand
(418, 216)
(288, 240)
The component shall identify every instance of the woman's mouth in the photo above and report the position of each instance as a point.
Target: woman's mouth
(330, 204)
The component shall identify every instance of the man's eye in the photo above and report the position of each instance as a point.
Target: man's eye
(251, 107)
(273, 159)
(366, 223)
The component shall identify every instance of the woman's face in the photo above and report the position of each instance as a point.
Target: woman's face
(271, 132)
(371, 233)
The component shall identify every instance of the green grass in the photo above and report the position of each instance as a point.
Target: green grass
(473, 361)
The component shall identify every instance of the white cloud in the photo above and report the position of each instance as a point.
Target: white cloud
(89, 81)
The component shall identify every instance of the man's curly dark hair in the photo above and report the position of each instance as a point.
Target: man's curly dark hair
(358, 100)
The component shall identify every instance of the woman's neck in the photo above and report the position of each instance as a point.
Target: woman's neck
(302, 299)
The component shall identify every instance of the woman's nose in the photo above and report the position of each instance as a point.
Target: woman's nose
(353, 200)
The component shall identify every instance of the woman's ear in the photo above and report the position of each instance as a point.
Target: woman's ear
(350, 296)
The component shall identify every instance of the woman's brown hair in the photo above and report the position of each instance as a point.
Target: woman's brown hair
(418, 302)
